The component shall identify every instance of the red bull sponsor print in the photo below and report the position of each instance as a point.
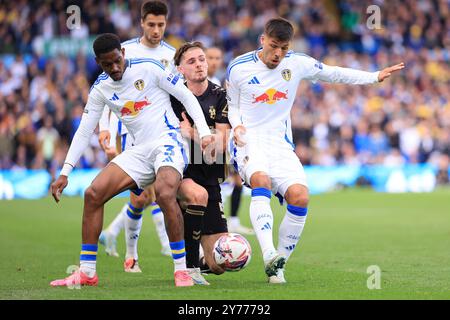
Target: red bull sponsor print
(132, 108)
(270, 96)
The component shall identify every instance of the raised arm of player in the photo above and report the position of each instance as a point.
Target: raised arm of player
(92, 113)
(316, 70)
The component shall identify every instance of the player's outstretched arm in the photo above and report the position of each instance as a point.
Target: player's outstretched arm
(92, 113)
(386, 72)
(315, 70)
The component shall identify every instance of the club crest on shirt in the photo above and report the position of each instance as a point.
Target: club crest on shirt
(164, 62)
(286, 73)
(212, 112)
(139, 84)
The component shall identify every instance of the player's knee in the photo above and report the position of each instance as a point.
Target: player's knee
(198, 196)
(303, 201)
(165, 195)
(297, 196)
(260, 180)
(92, 196)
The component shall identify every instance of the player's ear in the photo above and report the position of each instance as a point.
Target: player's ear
(123, 52)
(261, 39)
(180, 70)
(142, 23)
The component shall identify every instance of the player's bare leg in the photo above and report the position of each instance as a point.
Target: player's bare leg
(262, 220)
(291, 227)
(109, 182)
(166, 186)
(158, 220)
(145, 199)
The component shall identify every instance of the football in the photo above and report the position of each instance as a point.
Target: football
(232, 252)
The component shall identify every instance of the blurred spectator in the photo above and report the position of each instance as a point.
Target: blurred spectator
(48, 140)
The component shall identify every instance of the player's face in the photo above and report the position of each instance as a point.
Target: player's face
(215, 59)
(193, 65)
(113, 63)
(154, 28)
(273, 51)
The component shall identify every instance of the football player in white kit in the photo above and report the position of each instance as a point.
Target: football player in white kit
(150, 45)
(137, 91)
(262, 85)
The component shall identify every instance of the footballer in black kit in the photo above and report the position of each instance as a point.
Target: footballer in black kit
(214, 104)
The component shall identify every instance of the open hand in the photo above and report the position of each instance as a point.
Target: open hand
(386, 72)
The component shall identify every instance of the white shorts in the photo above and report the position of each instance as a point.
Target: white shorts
(276, 158)
(142, 162)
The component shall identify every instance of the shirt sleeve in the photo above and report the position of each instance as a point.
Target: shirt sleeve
(103, 124)
(173, 84)
(316, 70)
(233, 94)
(177, 107)
(91, 115)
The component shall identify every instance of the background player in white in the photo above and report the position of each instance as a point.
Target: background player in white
(149, 45)
(261, 87)
(137, 91)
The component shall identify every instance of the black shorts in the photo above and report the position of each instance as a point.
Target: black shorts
(214, 220)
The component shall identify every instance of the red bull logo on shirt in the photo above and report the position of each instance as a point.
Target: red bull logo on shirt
(132, 108)
(270, 96)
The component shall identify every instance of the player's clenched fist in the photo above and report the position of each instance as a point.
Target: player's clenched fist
(58, 186)
(206, 141)
(238, 135)
(104, 137)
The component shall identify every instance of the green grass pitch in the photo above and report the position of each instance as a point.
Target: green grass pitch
(406, 235)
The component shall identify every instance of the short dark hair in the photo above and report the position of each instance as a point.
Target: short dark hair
(156, 8)
(105, 43)
(280, 29)
(185, 47)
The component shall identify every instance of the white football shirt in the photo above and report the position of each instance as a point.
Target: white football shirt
(164, 53)
(261, 98)
(141, 101)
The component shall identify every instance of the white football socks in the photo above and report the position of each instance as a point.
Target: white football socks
(291, 229)
(262, 218)
(88, 259)
(133, 225)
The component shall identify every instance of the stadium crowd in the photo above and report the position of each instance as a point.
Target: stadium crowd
(406, 120)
